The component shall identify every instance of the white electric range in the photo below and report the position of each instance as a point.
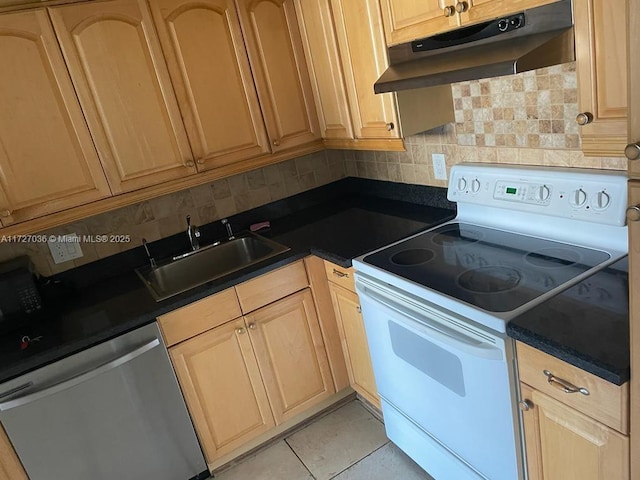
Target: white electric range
(436, 305)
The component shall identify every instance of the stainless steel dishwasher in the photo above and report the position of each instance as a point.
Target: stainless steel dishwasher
(113, 411)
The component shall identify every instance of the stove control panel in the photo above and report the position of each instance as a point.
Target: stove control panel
(580, 194)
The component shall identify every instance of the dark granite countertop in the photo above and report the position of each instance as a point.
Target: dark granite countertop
(586, 325)
(104, 299)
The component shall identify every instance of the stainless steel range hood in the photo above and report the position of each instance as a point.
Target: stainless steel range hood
(535, 38)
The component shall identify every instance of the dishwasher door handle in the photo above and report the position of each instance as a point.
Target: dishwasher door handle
(78, 379)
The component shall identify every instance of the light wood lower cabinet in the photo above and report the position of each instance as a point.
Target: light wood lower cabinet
(10, 466)
(354, 343)
(221, 382)
(288, 345)
(242, 377)
(562, 443)
(353, 336)
(48, 162)
(571, 436)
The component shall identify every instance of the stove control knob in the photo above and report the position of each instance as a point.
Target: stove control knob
(601, 200)
(462, 184)
(475, 186)
(578, 198)
(542, 193)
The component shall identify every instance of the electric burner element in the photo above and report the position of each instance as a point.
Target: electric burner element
(552, 258)
(490, 279)
(413, 256)
(453, 235)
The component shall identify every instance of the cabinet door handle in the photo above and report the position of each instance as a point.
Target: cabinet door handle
(240, 331)
(525, 405)
(462, 7)
(340, 274)
(633, 213)
(5, 213)
(190, 164)
(390, 126)
(201, 161)
(252, 326)
(632, 151)
(584, 118)
(449, 11)
(359, 309)
(276, 143)
(563, 385)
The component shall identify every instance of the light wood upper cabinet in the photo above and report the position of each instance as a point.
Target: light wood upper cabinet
(273, 41)
(48, 162)
(325, 70)
(288, 344)
(408, 20)
(601, 56)
(221, 382)
(364, 57)
(207, 59)
(116, 64)
(562, 443)
(354, 343)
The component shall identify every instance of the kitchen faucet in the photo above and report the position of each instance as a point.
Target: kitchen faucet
(193, 233)
(226, 223)
(152, 260)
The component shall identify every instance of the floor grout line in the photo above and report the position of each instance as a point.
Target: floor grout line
(366, 456)
(300, 459)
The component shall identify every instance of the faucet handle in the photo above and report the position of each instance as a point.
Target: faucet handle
(152, 260)
(188, 221)
(225, 222)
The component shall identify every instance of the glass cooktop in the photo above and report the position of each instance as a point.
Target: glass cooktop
(490, 269)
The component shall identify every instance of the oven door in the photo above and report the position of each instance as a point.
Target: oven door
(448, 379)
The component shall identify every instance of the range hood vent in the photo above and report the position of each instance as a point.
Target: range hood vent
(528, 40)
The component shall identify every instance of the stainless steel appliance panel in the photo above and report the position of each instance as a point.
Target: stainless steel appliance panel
(113, 411)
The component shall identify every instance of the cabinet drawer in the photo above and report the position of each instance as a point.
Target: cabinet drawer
(198, 317)
(606, 402)
(340, 275)
(272, 286)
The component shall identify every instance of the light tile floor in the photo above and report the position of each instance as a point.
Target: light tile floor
(347, 444)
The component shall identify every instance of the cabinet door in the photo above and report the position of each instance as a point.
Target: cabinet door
(221, 383)
(364, 56)
(568, 445)
(601, 55)
(407, 20)
(325, 69)
(354, 343)
(117, 67)
(280, 71)
(207, 59)
(475, 11)
(48, 162)
(288, 344)
(10, 466)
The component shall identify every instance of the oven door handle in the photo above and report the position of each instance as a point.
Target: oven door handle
(78, 379)
(422, 326)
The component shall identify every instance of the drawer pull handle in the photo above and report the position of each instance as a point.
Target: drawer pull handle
(340, 274)
(563, 385)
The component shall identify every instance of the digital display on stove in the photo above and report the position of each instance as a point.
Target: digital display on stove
(512, 191)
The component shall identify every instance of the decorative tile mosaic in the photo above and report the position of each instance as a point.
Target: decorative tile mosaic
(535, 109)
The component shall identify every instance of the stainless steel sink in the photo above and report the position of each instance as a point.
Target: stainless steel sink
(206, 264)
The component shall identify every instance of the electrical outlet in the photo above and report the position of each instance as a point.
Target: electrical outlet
(439, 166)
(64, 247)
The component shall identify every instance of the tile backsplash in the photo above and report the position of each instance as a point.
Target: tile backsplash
(165, 216)
(526, 119)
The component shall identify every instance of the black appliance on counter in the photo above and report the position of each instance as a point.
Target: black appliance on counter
(20, 297)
